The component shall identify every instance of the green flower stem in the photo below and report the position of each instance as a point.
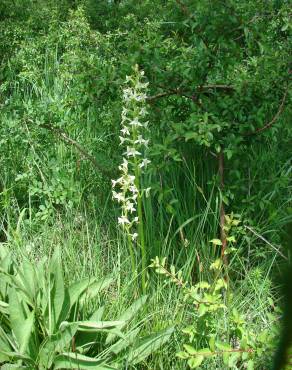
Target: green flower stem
(132, 255)
(141, 237)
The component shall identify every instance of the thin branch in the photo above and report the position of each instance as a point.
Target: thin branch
(61, 134)
(198, 90)
(222, 87)
(275, 118)
(162, 95)
(233, 350)
(266, 241)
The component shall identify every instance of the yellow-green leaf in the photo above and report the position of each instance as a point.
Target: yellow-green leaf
(195, 362)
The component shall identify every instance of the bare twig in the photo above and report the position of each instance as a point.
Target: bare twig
(222, 87)
(61, 134)
(266, 241)
(198, 90)
(162, 95)
(275, 118)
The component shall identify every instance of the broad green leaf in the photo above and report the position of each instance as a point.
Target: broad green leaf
(4, 252)
(57, 292)
(27, 331)
(190, 135)
(203, 285)
(4, 308)
(125, 342)
(223, 346)
(204, 351)
(4, 346)
(128, 315)
(27, 277)
(202, 309)
(99, 325)
(17, 316)
(75, 360)
(220, 283)
(76, 289)
(233, 359)
(216, 265)
(225, 357)
(216, 242)
(191, 350)
(183, 355)
(97, 314)
(195, 362)
(212, 344)
(243, 343)
(95, 288)
(148, 345)
(56, 343)
(18, 356)
(250, 365)
(13, 367)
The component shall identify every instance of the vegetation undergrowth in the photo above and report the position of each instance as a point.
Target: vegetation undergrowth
(179, 111)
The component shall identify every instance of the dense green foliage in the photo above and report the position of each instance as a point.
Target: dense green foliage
(217, 82)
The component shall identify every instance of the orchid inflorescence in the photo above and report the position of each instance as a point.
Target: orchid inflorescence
(134, 160)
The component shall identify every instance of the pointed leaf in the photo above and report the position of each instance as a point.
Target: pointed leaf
(97, 315)
(75, 360)
(26, 332)
(95, 288)
(99, 325)
(148, 345)
(128, 315)
(124, 342)
(191, 350)
(57, 292)
(195, 362)
(17, 315)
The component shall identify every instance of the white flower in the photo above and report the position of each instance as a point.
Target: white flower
(130, 207)
(114, 183)
(141, 85)
(140, 97)
(128, 94)
(134, 236)
(122, 140)
(133, 189)
(123, 220)
(128, 181)
(134, 197)
(124, 111)
(125, 131)
(144, 163)
(131, 152)
(143, 112)
(135, 122)
(118, 196)
(147, 192)
(142, 141)
(118, 181)
(123, 167)
(136, 219)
